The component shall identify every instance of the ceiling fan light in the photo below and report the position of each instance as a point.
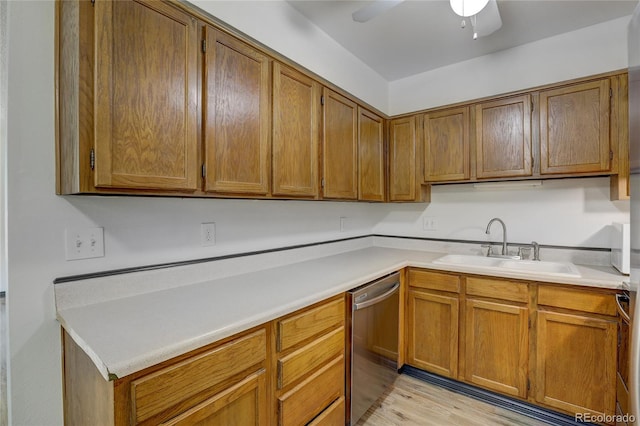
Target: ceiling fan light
(467, 7)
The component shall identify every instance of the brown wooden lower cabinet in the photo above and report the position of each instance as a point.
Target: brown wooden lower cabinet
(553, 345)
(289, 371)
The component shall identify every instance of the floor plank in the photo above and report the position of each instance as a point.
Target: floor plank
(414, 402)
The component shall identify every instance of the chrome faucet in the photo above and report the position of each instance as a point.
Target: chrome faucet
(536, 250)
(504, 233)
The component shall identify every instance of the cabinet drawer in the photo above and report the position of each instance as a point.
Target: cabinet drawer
(578, 300)
(434, 280)
(498, 289)
(313, 395)
(333, 415)
(310, 357)
(300, 327)
(175, 384)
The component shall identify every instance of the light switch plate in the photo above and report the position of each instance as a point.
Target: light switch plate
(84, 243)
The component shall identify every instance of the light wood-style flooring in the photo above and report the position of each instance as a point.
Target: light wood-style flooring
(414, 402)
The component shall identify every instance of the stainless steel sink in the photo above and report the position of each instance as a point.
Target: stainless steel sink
(562, 269)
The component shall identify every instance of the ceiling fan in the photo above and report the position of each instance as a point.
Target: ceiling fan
(483, 14)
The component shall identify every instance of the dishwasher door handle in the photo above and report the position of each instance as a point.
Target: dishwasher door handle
(386, 295)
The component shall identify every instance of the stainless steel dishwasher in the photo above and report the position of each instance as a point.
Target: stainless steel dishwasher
(374, 342)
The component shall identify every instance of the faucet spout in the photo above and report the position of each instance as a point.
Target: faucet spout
(504, 233)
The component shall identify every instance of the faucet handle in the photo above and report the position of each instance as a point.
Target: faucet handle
(489, 248)
(524, 252)
(536, 250)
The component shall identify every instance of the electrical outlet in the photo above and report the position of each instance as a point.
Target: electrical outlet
(343, 223)
(208, 234)
(430, 224)
(84, 243)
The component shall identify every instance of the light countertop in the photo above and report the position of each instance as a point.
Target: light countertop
(128, 334)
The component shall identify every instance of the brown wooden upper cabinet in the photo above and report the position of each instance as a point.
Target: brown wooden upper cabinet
(371, 156)
(403, 167)
(446, 145)
(146, 86)
(237, 105)
(340, 147)
(503, 137)
(296, 130)
(574, 128)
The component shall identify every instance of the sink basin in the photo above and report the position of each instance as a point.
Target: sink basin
(562, 269)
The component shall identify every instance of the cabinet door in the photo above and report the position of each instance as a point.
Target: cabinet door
(242, 404)
(296, 112)
(402, 154)
(371, 156)
(146, 108)
(433, 332)
(503, 138)
(576, 363)
(497, 346)
(237, 117)
(340, 147)
(574, 128)
(446, 145)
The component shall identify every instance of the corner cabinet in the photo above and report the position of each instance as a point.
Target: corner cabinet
(404, 162)
(130, 113)
(237, 143)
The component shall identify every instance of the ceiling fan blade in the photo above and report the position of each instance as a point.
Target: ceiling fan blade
(374, 9)
(488, 20)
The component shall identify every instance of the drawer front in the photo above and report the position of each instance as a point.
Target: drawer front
(312, 396)
(310, 357)
(305, 325)
(434, 280)
(498, 289)
(578, 300)
(150, 394)
(332, 416)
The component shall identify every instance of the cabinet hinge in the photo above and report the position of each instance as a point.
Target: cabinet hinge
(528, 384)
(322, 182)
(93, 2)
(92, 159)
(529, 322)
(204, 46)
(610, 154)
(322, 100)
(204, 170)
(531, 106)
(610, 92)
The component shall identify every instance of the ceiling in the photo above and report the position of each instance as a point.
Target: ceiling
(420, 35)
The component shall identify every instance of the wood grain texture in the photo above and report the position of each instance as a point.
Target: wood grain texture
(411, 402)
(402, 154)
(237, 117)
(310, 357)
(434, 280)
(296, 132)
(503, 137)
(577, 299)
(334, 415)
(498, 289)
(446, 145)
(497, 346)
(146, 110)
(242, 404)
(151, 395)
(340, 147)
(432, 332)
(371, 156)
(576, 363)
(574, 128)
(313, 395)
(619, 188)
(297, 328)
(88, 397)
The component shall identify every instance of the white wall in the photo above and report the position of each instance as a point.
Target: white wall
(565, 212)
(140, 231)
(591, 50)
